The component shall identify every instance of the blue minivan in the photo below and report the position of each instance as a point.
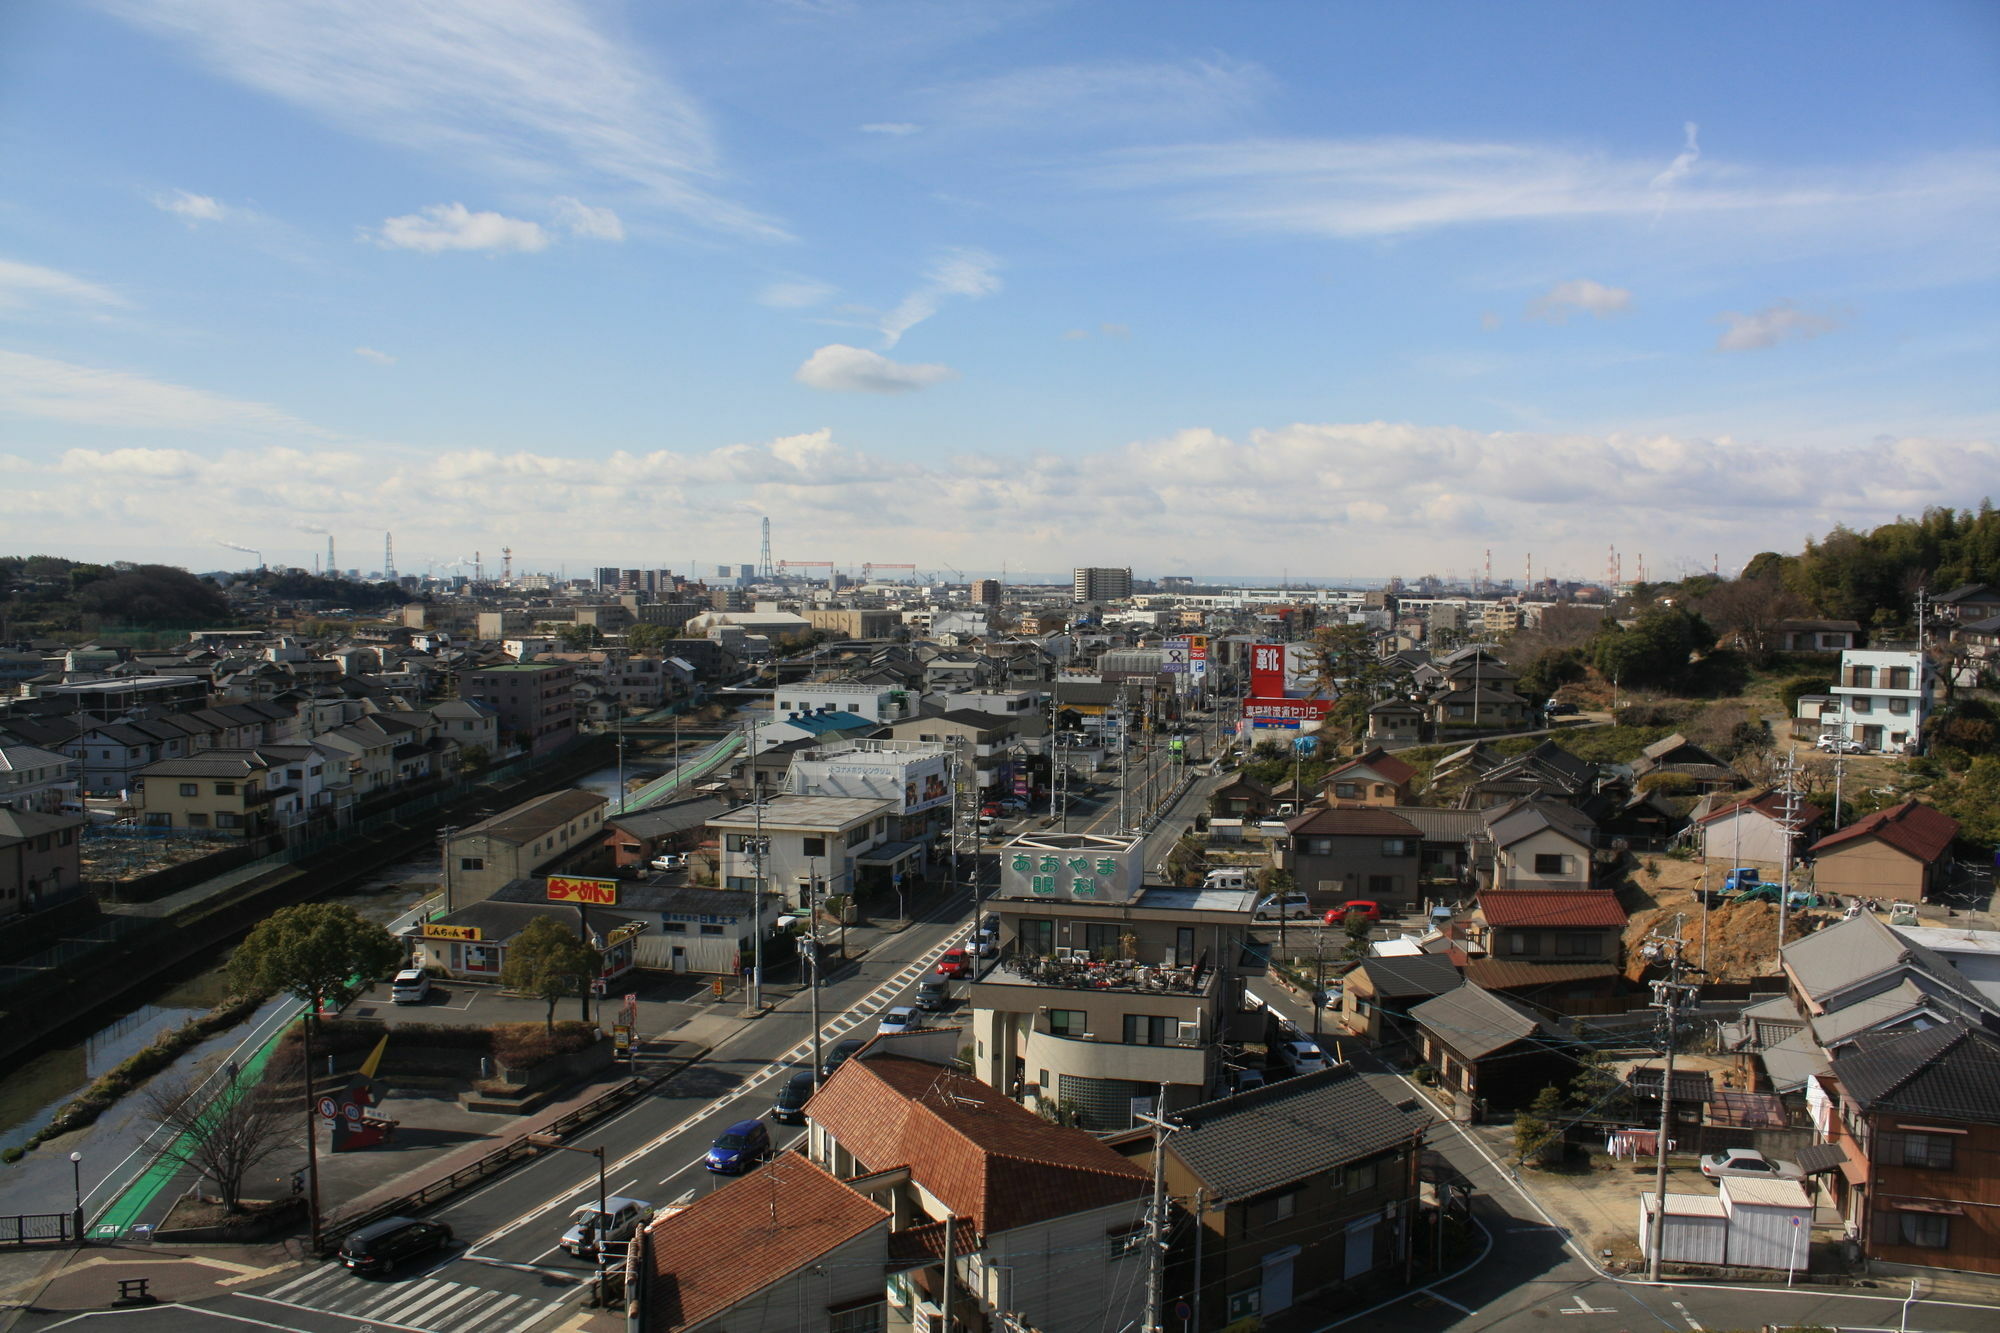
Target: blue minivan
(740, 1147)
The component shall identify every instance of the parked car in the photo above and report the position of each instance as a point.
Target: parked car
(955, 963)
(1838, 745)
(1013, 805)
(1292, 906)
(412, 985)
(984, 941)
(1749, 1164)
(990, 810)
(1299, 1057)
(381, 1246)
(933, 994)
(900, 1019)
(670, 861)
(841, 1053)
(740, 1147)
(590, 1230)
(790, 1107)
(1338, 915)
(1557, 708)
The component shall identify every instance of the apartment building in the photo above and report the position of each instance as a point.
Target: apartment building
(535, 702)
(1885, 697)
(814, 844)
(1105, 987)
(1099, 584)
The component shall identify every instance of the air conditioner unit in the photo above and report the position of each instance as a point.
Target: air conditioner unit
(1190, 1032)
(1065, 952)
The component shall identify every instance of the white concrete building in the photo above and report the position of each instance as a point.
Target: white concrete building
(1885, 697)
(877, 703)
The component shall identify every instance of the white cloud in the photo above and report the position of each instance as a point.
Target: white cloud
(961, 272)
(795, 295)
(23, 285)
(1592, 298)
(1683, 164)
(379, 358)
(1770, 326)
(440, 227)
(839, 368)
(191, 206)
(1107, 93)
(34, 386)
(588, 222)
(894, 128)
(537, 91)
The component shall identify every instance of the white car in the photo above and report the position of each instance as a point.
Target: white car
(985, 941)
(900, 1019)
(409, 986)
(1300, 1057)
(1295, 907)
(1838, 745)
(1748, 1164)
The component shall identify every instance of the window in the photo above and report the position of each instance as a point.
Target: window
(1361, 1177)
(190, 789)
(1861, 703)
(1900, 707)
(1399, 847)
(1068, 1022)
(1148, 1029)
(741, 883)
(1284, 1206)
(472, 863)
(225, 789)
(865, 1319)
(1184, 946)
(1347, 791)
(736, 842)
(1862, 677)
(812, 846)
(1584, 946)
(1036, 936)
(1100, 939)
(1551, 863)
(1899, 678)
(1930, 1230)
(711, 930)
(673, 927)
(1317, 846)
(1524, 942)
(857, 835)
(228, 819)
(197, 821)
(1382, 886)
(1913, 1148)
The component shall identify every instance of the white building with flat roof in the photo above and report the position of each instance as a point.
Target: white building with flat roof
(1885, 697)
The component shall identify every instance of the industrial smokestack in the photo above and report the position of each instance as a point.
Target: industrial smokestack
(332, 570)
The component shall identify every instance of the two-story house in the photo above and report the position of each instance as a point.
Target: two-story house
(41, 859)
(810, 847)
(32, 778)
(1045, 1221)
(1540, 844)
(235, 793)
(1902, 852)
(1755, 829)
(1105, 987)
(1296, 1189)
(1886, 697)
(1373, 777)
(1342, 853)
(1556, 925)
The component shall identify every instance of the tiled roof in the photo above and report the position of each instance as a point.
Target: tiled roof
(1476, 1023)
(1951, 1071)
(979, 1154)
(1418, 974)
(1287, 1131)
(1513, 974)
(1551, 907)
(1379, 760)
(536, 818)
(20, 825)
(1770, 804)
(731, 1244)
(1351, 821)
(923, 1244)
(1508, 824)
(1912, 828)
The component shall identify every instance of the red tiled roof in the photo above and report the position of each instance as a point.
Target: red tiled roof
(1770, 803)
(923, 1244)
(1912, 828)
(1359, 821)
(1381, 761)
(1551, 907)
(982, 1156)
(729, 1245)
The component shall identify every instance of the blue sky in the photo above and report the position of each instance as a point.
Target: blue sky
(1203, 288)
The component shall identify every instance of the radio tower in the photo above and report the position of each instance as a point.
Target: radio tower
(765, 569)
(389, 557)
(506, 564)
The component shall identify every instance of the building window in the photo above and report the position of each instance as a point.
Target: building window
(867, 1319)
(1551, 863)
(1585, 946)
(472, 863)
(1100, 939)
(1382, 886)
(1398, 847)
(741, 883)
(190, 789)
(1068, 1022)
(1284, 1206)
(228, 819)
(225, 789)
(812, 846)
(673, 927)
(1900, 707)
(711, 930)
(1524, 943)
(1035, 936)
(1929, 1230)
(1148, 1029)
(1361, 1177)
(1930, 1151)
(1899, 678)
(1347, 791)
(197, 821)
(1861, 703)
(858, 835)
(1862, 677)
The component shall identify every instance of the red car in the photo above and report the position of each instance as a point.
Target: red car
(955, 963)
(1338, 916)
(991, 810)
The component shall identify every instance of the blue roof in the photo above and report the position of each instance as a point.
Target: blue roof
(821, 723)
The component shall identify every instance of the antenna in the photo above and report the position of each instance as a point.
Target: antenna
(389, 557)
(765, 569)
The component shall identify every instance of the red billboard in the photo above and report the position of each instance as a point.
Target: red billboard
(1267, 670)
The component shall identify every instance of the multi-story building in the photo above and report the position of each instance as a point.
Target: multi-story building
(986, 592)
(817, 845)
(32, 778)
(1885, 698)
(877, 703)
(914, 777)
(534, 701)
(40, 859)
(532, 836)
(1101, 584)
(1105, 987)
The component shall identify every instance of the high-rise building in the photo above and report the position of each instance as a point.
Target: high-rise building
(607, 578)
(1098, 584)
(986, 592)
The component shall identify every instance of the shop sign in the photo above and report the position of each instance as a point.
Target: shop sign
(435, 931)
(596, 892)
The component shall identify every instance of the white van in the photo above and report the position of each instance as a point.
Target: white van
(409, 986)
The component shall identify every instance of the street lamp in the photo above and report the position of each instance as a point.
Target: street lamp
(603, 1213)
(76, 1178)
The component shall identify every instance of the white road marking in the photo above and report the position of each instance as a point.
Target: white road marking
(1439, 1296)
(1584, 1307)
(1690, 1318)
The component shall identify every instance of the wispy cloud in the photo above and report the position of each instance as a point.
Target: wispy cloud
(1683, 164)
(1106, 93)
(441, 227)
(35, 386)
(379, 358)
(965, 272)
(588, 222)
(192, 207)
(533, 90)
(838, 368)
(23, 285)
(1579, 294)
(795, 294)
(1770, 326)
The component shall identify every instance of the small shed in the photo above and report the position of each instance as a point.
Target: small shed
(1697, 1230)
(1770, 1223)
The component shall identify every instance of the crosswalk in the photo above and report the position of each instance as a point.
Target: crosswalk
(430, 1304)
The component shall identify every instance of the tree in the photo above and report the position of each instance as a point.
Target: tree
(577, 638)
(648, 638)
(1655, 651)
(1750, 609)
(311, 951)
(1538, 1130)
(223, 1136)
(549, 961)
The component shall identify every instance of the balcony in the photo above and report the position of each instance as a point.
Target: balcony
(1064, 971)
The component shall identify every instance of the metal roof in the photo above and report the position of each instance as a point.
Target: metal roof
(1475, 1023)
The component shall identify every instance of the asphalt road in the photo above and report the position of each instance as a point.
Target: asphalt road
(505, 1272)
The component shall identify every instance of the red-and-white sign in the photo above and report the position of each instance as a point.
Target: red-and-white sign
(1267, 671)
(1285, 710)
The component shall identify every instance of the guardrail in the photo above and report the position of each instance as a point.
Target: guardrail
(332, 1232)
(37, 1229)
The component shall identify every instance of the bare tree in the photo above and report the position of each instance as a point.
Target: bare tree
(225, 1131)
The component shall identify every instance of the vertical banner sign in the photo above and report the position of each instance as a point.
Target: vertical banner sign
(1197, 654)
(1267, 670)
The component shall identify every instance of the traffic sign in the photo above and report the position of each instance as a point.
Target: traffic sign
(328, 1107)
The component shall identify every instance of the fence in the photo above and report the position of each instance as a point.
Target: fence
(37, 1229)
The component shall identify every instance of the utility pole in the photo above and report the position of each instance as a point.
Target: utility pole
(1790, 824)
(1669, 996)
(312, 1133)
(812, 936)
(1839, 776)
(950, 1273)
(1154, 1321)
(754, 993)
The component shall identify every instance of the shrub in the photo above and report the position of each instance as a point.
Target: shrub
(521, 1046)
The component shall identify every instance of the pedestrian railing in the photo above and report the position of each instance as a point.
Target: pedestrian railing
(38, 1229)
